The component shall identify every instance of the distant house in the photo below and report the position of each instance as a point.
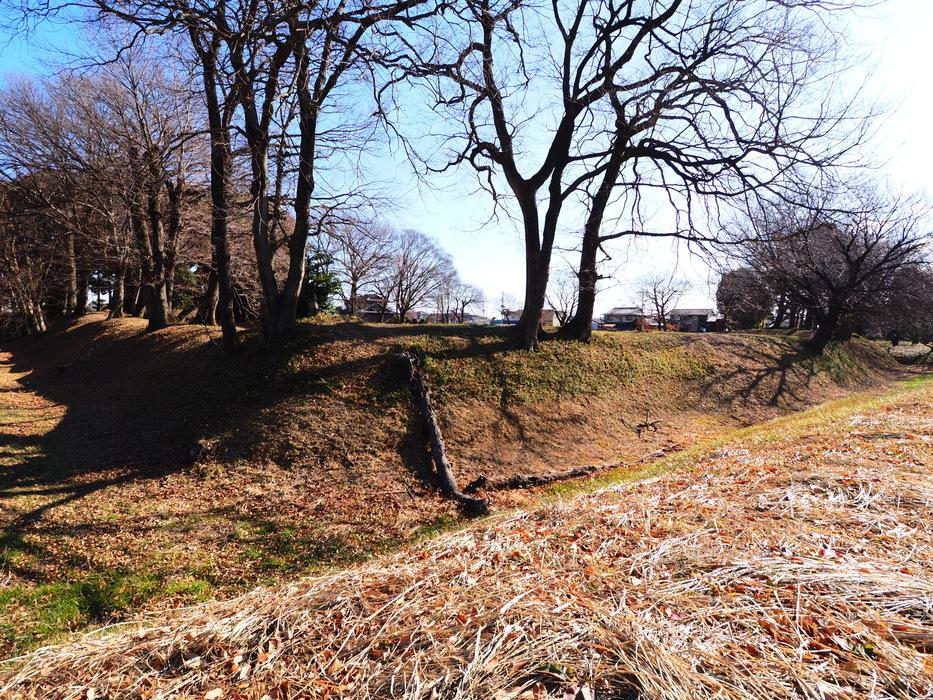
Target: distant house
(511, 316)
(694, 320)
(622, 318)
(468, 319)
(373, 308)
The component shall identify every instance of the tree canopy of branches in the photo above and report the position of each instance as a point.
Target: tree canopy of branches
(562, 295)
(362, 257)
(744, 298)
(592, 120)
(289, 77)
(415, 268)
(837, 257)
(905, 309)
(109, 157)
(613, 104)
(454, 297)
(659, 295)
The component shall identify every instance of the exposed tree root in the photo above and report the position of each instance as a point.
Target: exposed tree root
(472, 504)
(523, 481)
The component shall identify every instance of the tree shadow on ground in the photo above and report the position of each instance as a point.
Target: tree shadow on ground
(132, 408)
(780, 376)
(135, 402)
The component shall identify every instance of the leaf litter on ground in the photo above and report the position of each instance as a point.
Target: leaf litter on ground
(784, 568)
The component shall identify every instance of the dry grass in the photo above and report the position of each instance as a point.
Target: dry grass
(319, 459)
(776, 567)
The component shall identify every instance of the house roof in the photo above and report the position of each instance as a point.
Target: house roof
(693, 312)
(631, 310)
(518, 312)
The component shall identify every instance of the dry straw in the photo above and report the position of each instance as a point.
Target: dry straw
(803, 571)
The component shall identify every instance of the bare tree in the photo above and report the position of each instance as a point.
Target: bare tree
(697, 101)
(43, 150)
(114, 146)
(904, 310)
(454, 297)
(836, 256)
(466, 296)
(416, 268)
(659, 295)
(306, 53)
(563, 292)
(444, 297)
(28, 252)
(153, 117)
(362, 256)
(744, 298)
(278, 67)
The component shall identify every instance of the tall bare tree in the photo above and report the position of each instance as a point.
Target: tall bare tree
(563, 293)
(659, 295)
(362, 256)
(697, 100)
(416, 267)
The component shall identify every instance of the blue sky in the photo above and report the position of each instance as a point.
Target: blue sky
(894, 39)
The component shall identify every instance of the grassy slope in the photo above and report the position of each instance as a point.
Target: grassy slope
(317, 455)
(791, 561)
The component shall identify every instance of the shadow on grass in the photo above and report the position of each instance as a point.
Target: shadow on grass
(136, 402)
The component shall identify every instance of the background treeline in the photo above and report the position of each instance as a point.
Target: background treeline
(214, 161)
(107, 195)
(850, 264)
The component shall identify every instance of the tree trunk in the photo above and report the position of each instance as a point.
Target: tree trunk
(147, 272)
(35, 318)
(270, 317)
(171, 241)
(133, 303)
(826, 325)
(81, 301)
(220, 174)
(780, 313)
(581, 326)
(537, 266)
(207, 310)
(351, 300)
(30, 308)
(280, 308)
(71, 279)
(142, 302)
(157, 303)
(119, 290)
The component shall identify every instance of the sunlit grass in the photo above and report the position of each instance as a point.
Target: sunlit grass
(782, 428)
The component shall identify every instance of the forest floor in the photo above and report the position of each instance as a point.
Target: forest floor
(790, 560)
(317, 456)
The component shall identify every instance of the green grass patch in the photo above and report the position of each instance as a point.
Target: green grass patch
(42, 614)
(274, 548)
(484, 367)
(15, 551)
